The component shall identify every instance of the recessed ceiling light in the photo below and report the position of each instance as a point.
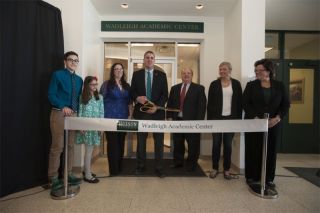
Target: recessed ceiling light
(199, 6)
(141, 44)
(124, 5)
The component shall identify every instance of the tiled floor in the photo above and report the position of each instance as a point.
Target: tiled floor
(152, 194)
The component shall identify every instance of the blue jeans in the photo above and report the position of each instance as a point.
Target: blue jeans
(227, 150)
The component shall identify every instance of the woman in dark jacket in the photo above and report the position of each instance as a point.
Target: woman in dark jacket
(224, 102)
(263, 95)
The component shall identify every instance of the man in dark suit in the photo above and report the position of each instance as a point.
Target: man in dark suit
(149, 84)
(190, 98)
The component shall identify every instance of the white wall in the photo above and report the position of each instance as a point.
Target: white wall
(252, 46)
(293, 15)
(233, 35)
(92, 44)
(233, 47)
(252, 37)
(72, 21)
(92, 56)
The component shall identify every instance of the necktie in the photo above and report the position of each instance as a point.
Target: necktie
(74, 101)
(148, 92)
(182, 96)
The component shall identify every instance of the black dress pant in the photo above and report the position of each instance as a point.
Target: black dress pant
(115, 151)
(193, 141)
(227, 150)
(158, 149)
(253, 154)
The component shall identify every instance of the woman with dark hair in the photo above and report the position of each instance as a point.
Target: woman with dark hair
(224, 103)
(91, 106)
(117, 104)
(263, 95)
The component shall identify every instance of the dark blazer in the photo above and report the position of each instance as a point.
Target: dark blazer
(255, 105)
(194, 106)
(215, 100)
(159, 93)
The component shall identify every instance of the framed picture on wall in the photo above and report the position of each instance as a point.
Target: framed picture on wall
(297, 91)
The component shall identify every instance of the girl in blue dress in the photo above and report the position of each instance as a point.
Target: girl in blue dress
(91, 106)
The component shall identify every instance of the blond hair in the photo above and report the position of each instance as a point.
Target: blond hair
(225, 63)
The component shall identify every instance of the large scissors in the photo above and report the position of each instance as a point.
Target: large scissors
(149, 105)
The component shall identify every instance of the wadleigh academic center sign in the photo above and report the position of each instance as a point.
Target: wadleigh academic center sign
(151, 26)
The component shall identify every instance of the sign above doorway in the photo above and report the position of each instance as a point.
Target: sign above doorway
(151, 26)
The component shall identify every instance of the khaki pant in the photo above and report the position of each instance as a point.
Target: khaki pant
(57, 146)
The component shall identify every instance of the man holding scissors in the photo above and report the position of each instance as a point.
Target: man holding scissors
(149, 84)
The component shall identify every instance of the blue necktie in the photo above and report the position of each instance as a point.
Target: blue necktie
(74, 101)
(148, 92)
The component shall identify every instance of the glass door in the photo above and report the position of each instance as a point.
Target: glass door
(171, 57)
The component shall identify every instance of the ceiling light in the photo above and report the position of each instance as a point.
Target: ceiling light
(141, 44)
(199, 6)
(124, 5)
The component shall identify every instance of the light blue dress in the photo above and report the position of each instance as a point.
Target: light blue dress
(93, 109)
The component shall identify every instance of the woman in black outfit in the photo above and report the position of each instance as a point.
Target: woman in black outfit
(263, 95)
(224, 102)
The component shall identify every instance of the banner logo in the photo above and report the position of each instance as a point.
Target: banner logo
(127, 125)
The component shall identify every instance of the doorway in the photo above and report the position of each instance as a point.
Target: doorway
(296, 57)
(171, 57)
(167, 66)
(301, 128)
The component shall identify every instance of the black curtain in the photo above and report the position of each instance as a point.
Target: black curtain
(31, 49)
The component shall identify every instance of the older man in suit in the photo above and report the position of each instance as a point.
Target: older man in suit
(190, 98)
(149, 84)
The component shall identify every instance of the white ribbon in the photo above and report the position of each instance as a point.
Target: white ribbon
(194, 126)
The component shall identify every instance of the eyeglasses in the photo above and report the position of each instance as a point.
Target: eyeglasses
(76, 61)
(94, 85)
